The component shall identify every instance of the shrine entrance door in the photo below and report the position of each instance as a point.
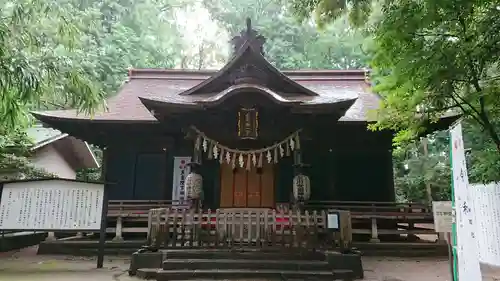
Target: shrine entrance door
(247, 189)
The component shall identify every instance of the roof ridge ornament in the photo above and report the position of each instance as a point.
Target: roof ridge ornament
(249, 25)
(249, 35)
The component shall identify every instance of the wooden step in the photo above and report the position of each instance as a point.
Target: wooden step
(231, 274)
(193, 264)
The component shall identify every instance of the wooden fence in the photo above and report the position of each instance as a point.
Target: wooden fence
(236, 228)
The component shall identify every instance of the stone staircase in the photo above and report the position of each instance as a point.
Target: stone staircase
(231, 265)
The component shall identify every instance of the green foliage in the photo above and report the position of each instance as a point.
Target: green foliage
(439, 59)
(32, 70)
(292, 44)
(413, 169)
(429, 59)
(327, 11)
(92, 174)
(483, 159)
(71, 54)
(433, 57)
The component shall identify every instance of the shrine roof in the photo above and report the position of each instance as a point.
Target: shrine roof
(168, 85)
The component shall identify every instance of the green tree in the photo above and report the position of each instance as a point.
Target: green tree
(414, 169)
(32, 69)
(72, 54)
(327, 11)
(432, 58)
(292, 44)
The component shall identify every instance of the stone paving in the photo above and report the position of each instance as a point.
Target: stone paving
(27, 266)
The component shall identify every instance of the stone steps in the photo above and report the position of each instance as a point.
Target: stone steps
(250, 264)
(228, 264)
(231, 274)
(247, 254)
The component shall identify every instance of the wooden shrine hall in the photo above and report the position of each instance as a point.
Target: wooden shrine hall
(247, 127)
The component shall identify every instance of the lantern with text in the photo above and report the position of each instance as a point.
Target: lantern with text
(301, 185)
(248, 123)
(194, 182)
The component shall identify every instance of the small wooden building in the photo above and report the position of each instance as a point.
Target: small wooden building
(251, 122)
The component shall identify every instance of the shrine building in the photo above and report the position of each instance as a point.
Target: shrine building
(248, 125)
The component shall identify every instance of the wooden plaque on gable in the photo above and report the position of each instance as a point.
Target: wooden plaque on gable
(248, 123)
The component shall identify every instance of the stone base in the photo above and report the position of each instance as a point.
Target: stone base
(346, 261)
(19, 240)
(146, 260)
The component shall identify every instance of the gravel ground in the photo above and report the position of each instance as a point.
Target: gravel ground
(27, 266)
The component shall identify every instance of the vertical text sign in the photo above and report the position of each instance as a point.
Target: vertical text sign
(181, 170)
(466, 246)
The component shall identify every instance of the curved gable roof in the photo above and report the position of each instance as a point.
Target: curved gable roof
(248, 55)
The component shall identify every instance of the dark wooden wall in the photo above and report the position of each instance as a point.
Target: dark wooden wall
(348, 163)
(139, 172)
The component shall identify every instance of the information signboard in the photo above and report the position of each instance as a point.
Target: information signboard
(57, 205)
(443, 216)
(333, 220)
(486, 205)
(54, 205)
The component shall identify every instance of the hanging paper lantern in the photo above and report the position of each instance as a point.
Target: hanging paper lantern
(301, 186)
(194, 182)
(228, 157)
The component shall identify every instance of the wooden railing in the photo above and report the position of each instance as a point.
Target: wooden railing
(373, 219)
(230, 228)
(364, 209)
(383, 218)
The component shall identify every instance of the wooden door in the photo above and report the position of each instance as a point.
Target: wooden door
(247, 189)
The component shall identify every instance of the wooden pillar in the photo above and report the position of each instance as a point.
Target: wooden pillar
(169, 169)
(390, 189)
(104, 178)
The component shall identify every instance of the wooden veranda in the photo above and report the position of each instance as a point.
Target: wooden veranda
(367, 218)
